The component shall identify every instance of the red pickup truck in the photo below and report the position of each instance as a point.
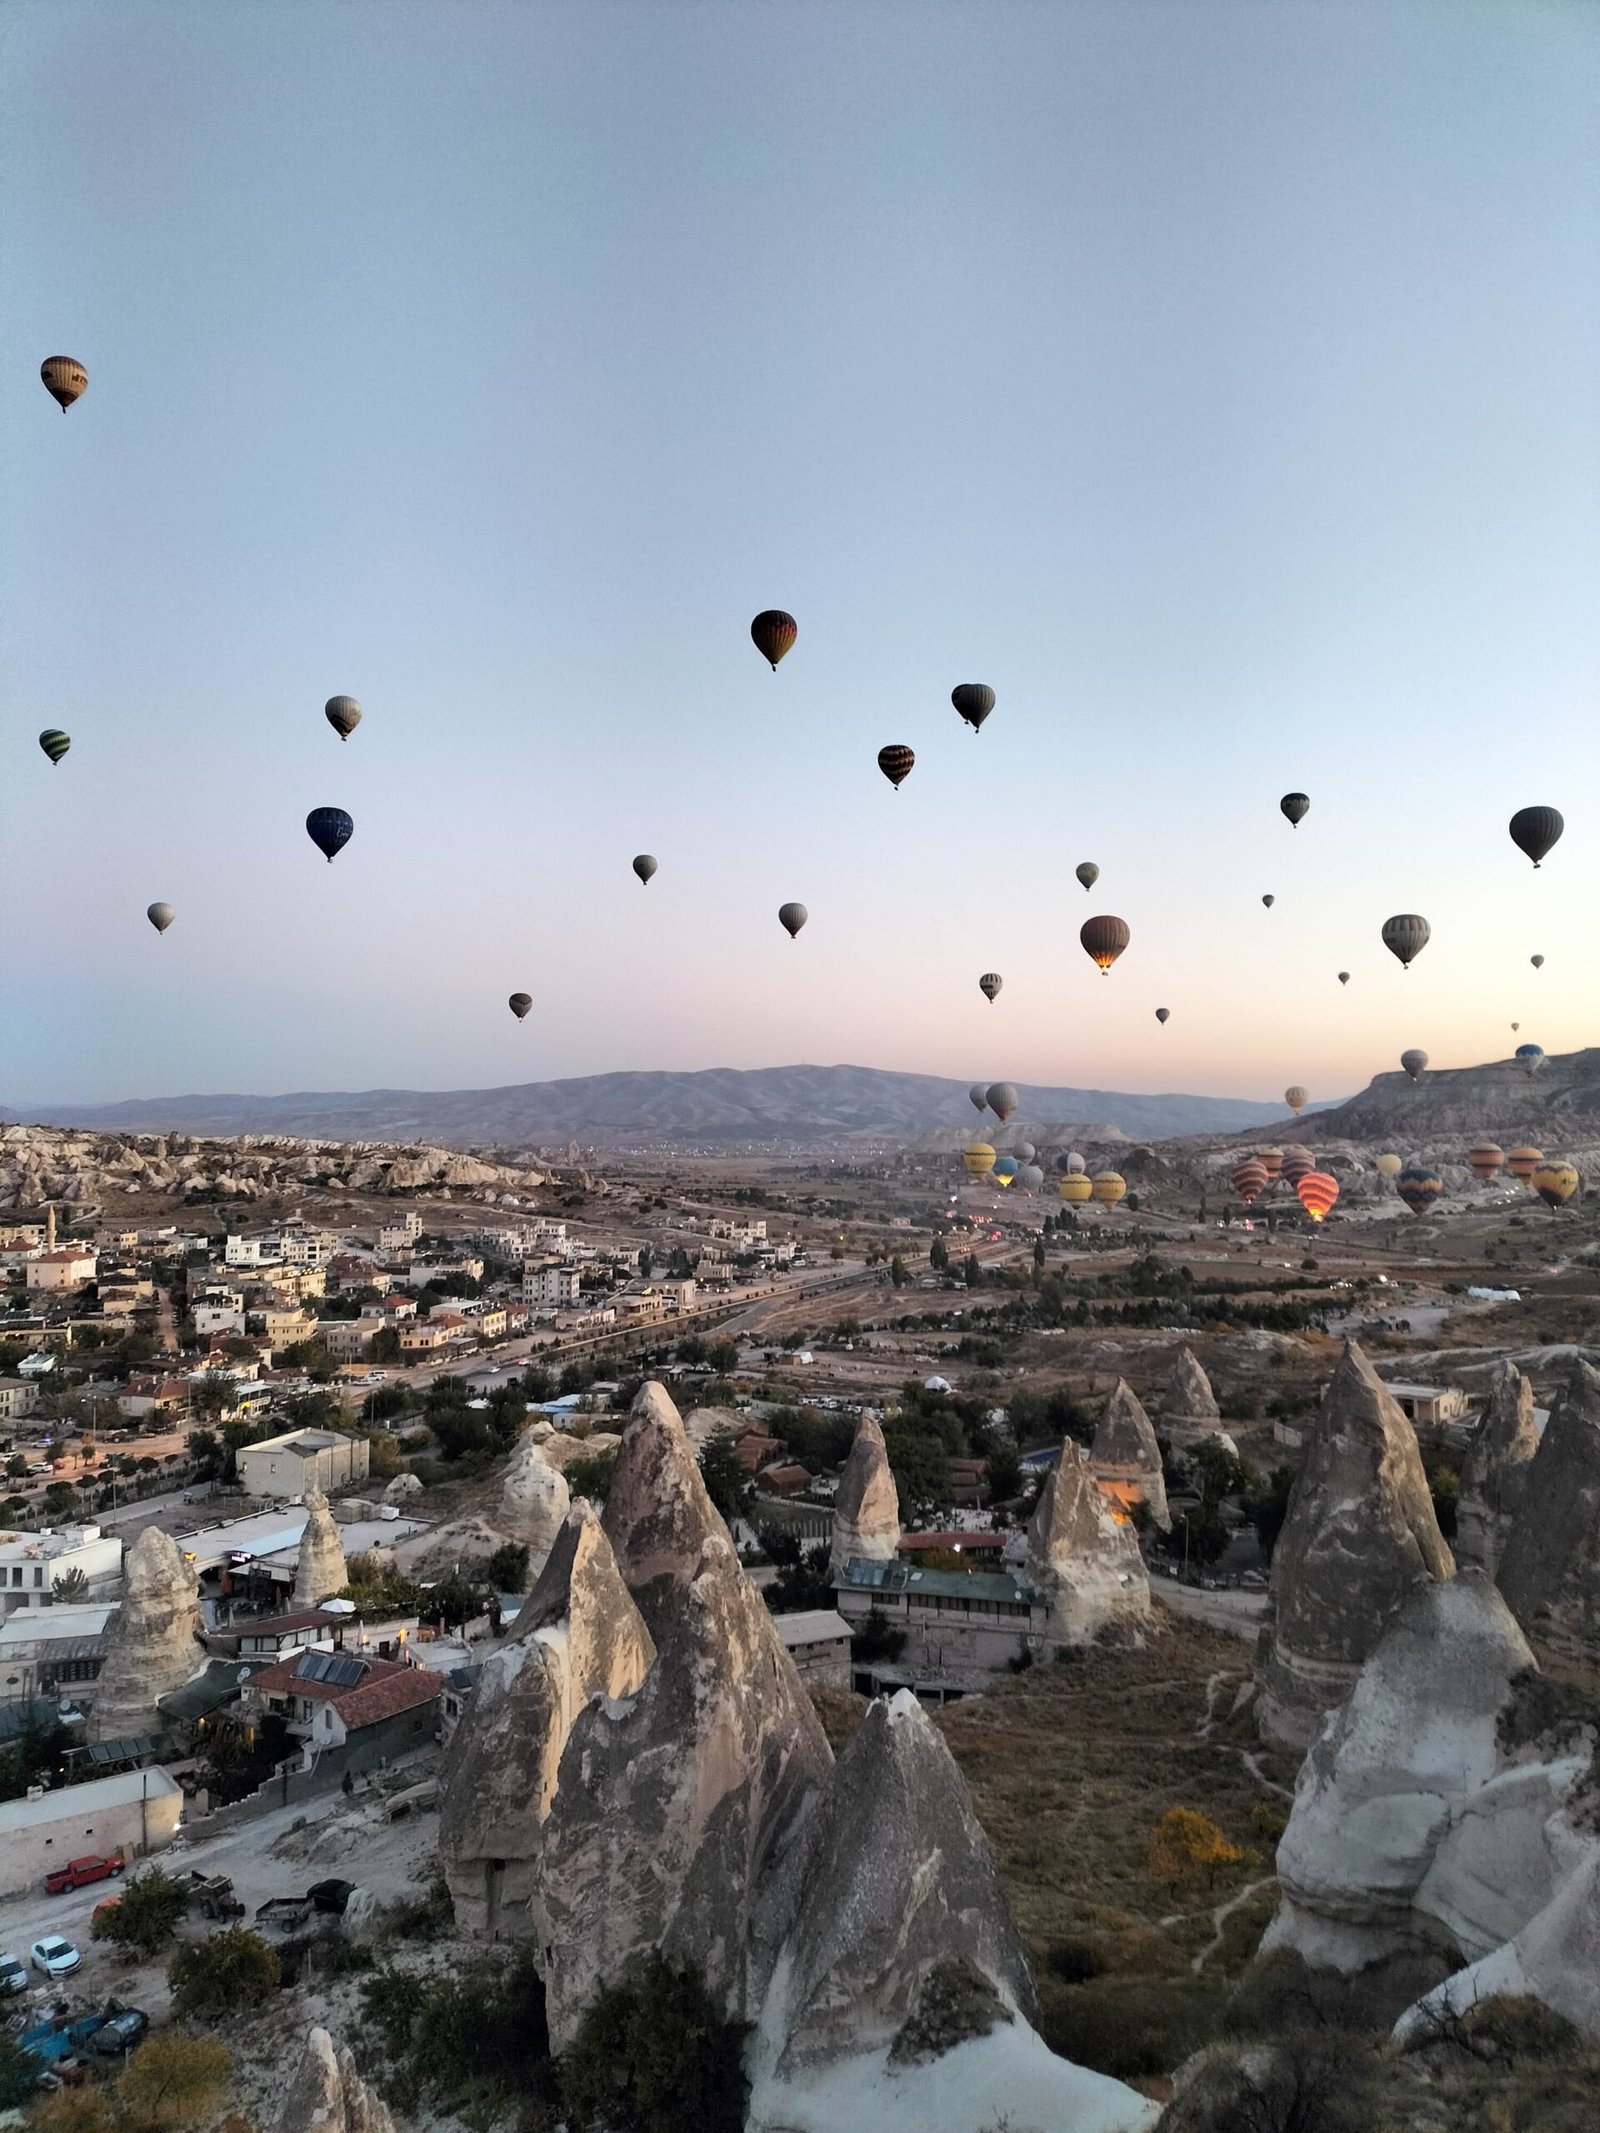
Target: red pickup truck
(78, 1873)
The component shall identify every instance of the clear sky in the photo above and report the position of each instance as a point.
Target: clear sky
(1217, 381)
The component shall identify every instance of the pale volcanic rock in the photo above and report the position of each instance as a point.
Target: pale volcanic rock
(1082, 1555)
(685, 1797)
(1550, 1567)
(578, 1637)
(1555, 1958)
(1126, 1456)
(1189, 1409)
(153, 1644)
(533, 1501)
(319, 1570)
(1495, 1471)
(866, 1509)
(1359, 1535)
(560, 1448)
(327, 2095)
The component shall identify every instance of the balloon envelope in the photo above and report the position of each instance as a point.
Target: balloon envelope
(1296, 1098)
(1269, 901)
(896, 763)
(1487, 1159)
(1555, 1183)
(1406, 935)
(343, 714)
(1271, 1161)
(978, 1097)
(1530, 1057)
(1344, 977)
(1088, 873)
(1523, 1162)
(1001, 1098)
(65, 380)
(1537, 961)
(519, 1003)
(773, 633)
(1296, 1162)
(1006, 1166)
(979, 1158)
(1296, 806)
(791, 917)
(55, 743)
(1076, 1189)
(1389, 1166)
(1249, 1179)
(1419, 1187)
(989, 984)
(1031, 1176)
(1109, 1188)
(330, 830)
(974, 700)
(644, 866)
(1535, 829)
(1076, 1164)
(1104, 939)
(1317, 1191)
(161, 916)
(1163, 1014)
(1024, 1151)
(1415, 1063)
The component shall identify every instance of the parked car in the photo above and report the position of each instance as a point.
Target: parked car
(78, 1873)
(119, 2033)
(13, 1977)
(54, 1956)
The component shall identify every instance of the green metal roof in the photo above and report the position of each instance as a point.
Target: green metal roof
(217, 1683)
(894, 1579)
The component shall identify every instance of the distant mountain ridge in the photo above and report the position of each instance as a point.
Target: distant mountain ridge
(718, 1105)
(1557, 1107)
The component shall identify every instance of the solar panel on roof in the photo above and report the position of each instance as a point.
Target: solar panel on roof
(338, 1671)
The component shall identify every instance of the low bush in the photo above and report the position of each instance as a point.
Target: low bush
(656, 2055)
(233, 1970)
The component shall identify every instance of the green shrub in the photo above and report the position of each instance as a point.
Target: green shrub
(656, 2055)
(232, 1970)
(1074, 1961)
(1132, 2027)
(144, 1914)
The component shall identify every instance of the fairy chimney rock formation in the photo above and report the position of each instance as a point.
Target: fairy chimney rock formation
(1189, 1410)
(577, 1637)
(866, 1510)
(1550, 1567)
(1495, 1471)
(327, 2095)
(1126, 1457)
(153, 1644)
(687, 1796)
(534, 1501)
(320, 1567)
(1359, 1535)
(1082, 1556)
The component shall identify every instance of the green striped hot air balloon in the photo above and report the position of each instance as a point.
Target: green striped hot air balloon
(55, 743)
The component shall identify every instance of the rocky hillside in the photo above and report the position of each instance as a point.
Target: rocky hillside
(1556, 1108)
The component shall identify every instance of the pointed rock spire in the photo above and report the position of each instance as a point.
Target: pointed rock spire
(1359, 1534)
(1126, 1457)
(1495, 1471)
(1189, 1409)
(533, 1501)
(1550, 1567)
(327, 2095)
(866, 1510)
(320, 1569)
(578, 1637)
(153, 1644)
(1082, 1556)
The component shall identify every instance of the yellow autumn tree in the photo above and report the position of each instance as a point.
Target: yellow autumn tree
(1187, 1843)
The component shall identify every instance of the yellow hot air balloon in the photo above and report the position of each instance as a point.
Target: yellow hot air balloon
(1076, 1189)
(979, 1159)
(1523, 1162)
(1555, 1183)
(1109, 1188)
(1390, 1166)
(1297, 1098)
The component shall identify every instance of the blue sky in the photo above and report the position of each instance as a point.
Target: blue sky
(1216, 381)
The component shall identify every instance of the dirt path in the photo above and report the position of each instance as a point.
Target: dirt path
(1221, 1915)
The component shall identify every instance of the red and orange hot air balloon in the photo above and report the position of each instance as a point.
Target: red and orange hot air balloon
(1317, 1191)
(773, 633)
(1523, 1162)
(1487, 1159)
(1249, 1179)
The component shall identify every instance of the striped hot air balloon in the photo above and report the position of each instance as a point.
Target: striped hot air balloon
(1317, 1191)
(1419, 1187)
(1298, 1162)
(1405, 936)
(343, 714)
(1535, 829)
(1109, 1187)
(989, 984)
(1523, 1162)
(773, 633)
(1075, 1189)
(1249, 1179)
(791, 917)
(1271, 1161)
(65, 380)
(55, 743)
(897, 764)
(1555, 1183)
(1487, 1159)
(1296, 1098)
(1104, 939)
(979, 1159)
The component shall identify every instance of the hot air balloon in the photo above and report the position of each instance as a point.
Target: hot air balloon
(897, 764)
(974, 700)
(1515, 1027)
(1109, 1188)
(1088, 873)
(1076, 1189)
(1523, 1162)
(1104, 939)
(989, 984)
(791, 917)
(343, 714)
(1297, 1098)
(1530, 1057)
(1163, 1014)
(1555, 1183)
(1001, 1098)
(55, 743)
(1344, 977)
(1295, 806)
(1249, 1179)
(644, 866)
(1419, 1187)
(519, 1003)
(1535, 829)
(1487, 1158)
(1537, 961)
(1076, 1165)
(1271, 1161)
(1030, 1176)
(330, 830)
(1269, 901)
(1024, 1151)
(1389, 1166)
(1405, 936)
(979, 1159)
(1415, 1063)
(1296, 1162)
(161, 916)
(772, 633)
(65, 380)
(1317, 1191)
(1005, 1169)
(978, 1097)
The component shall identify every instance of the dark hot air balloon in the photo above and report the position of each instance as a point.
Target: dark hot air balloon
(343, 714)
(1249, 1179)
(1414, 1063)
(989, 984)
(1269, 901)
(978, 1097)
(55, 743)
(791, 917)
(897, 764)
(1163, 1014)
(1344, 977)
(1317, 1191)
(1537, 961)
(1419, 1187)
(161, 916)
(974, 700)
(1295, 806)
(1535, 829)
(1088, 873)
(65, 380)
(519, 1003)
(773, 633)
(644, 866)
(1001, 1098)
(1405, 936)
(1104, 939)
(330, 830)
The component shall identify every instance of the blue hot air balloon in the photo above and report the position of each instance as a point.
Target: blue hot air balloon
(330, 830)
(1005, 1169)
(1530, 1057)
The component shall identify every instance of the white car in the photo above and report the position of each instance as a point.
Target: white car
(13, 1978)
(54, 1956)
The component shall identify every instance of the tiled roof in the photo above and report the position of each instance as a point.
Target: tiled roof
(388, 1696)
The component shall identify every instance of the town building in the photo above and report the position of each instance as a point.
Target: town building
(270, 1637)
(550, 1287)
(344, 1699)
(1429, 1406)
(348, 1340)
(132, 1813)
(18, 1398)
(57, 1272)
(281, 1468)
(819, 1644)
(400, 1236)
(33, 1564)
(960, 1627)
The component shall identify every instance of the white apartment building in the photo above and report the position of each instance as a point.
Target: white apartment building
(743, 1235)
(550, 1287)
(18, 1397)
(302, 1246)
(68, 1268)
(218, 1311)
(347, 1340)
(32, 1563)
(399, 1236)
(262, 1247)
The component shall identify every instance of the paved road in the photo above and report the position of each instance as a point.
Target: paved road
(1232, 1609)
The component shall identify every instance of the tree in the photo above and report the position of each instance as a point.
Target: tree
(938, 1255)
(877, 1638)
(1003, 1472)
(897, 1271)
(592, 1477)
(71, 1585)
(655, 2055)
(144, 1915)
(19, 2073)
(75, 2110)
(233, 1969)
(804, 1580)
(1185, 1842)
(646, 1261)
(386, 1349)
(507, 1569)
(727, 1483)
(173, 2081)
(971, 1272)
(1038, 1258)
